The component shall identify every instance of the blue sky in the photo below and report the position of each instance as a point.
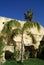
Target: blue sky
(16, 9)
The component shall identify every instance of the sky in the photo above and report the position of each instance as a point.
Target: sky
(16, 8)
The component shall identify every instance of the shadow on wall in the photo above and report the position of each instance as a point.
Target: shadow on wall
(31, 50)
(40, 53)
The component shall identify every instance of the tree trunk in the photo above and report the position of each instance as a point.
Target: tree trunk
(22, 48)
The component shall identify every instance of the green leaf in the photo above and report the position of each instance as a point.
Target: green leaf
(32, 36)
(29, 25)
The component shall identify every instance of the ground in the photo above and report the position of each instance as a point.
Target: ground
(30, 61)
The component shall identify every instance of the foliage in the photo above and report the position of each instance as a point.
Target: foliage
(9, 32)
(41, 51)
(8, 26)
(16, 31)
(41, 48)
(1, 46)
(37, 25)
(29, 15)
(32, 36)
(14, 23)
(31, 24)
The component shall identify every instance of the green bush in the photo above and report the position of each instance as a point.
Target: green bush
(41, 52)
(1, 46)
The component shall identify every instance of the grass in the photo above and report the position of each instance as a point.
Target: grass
(30, 61)
(34, 61)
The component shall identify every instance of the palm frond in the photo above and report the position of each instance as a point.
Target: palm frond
(7, 30)
(29, 15)
(14, 23)
(27, 25)
(8, 26)
(32, 36)
(16, 31)
(10, 37)
(38, 26)
(31, 24)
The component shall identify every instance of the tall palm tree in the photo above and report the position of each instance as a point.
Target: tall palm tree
(28, 24)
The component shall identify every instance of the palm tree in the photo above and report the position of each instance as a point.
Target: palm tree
(10, 30)
(29, 15)
(28, 25)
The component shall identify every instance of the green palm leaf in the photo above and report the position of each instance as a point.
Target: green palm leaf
(29, 15)
(32, 36)
(8, 26)
(15, 32)
(14, 23)
(7, 30)
(30, 25)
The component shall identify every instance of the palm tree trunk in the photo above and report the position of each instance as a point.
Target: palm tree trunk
(22, 48)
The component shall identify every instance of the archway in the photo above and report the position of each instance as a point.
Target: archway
(9, 55)
(32, 51)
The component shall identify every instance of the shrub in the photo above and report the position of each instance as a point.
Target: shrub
(41, 52)
(1, 46)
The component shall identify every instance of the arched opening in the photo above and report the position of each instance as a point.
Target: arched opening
(9, 55)
(32, 51)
